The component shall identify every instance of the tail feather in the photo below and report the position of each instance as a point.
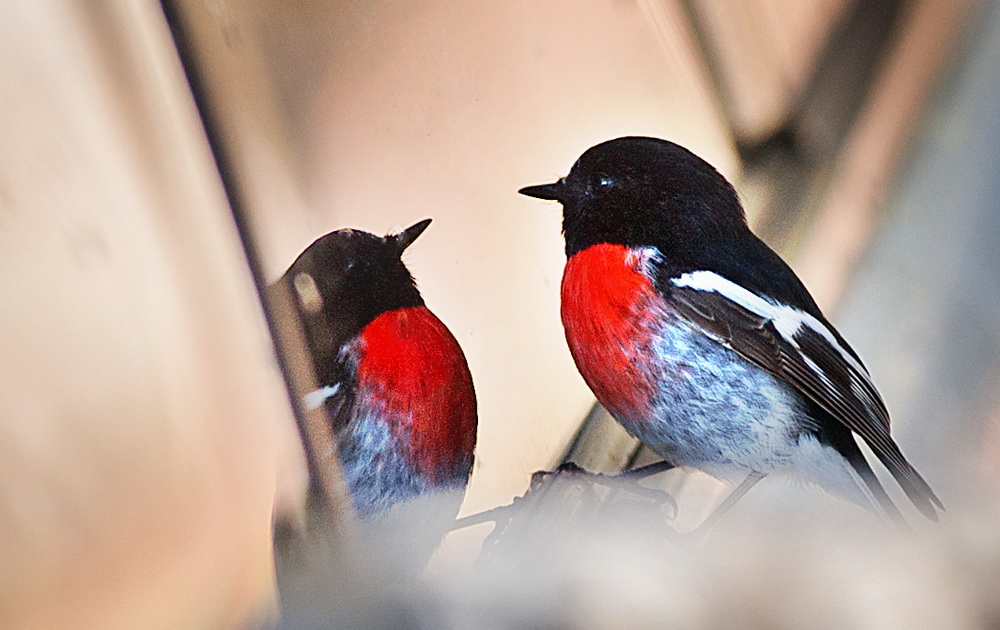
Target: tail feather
(915, 487)
(879, 498)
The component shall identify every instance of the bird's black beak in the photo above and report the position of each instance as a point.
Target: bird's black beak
(552, 192)
(410, 234)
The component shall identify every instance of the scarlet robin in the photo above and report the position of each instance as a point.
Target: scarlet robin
(701, 341)
(393, 380)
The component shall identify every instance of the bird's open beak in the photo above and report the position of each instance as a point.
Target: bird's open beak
(552, 191)
(410, 234)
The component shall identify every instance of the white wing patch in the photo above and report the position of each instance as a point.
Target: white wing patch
(787, 320)
(315, 399)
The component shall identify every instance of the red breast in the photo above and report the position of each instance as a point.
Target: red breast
(412, 366)
(608, 314)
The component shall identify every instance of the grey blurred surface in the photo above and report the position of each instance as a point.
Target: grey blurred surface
(923, 309)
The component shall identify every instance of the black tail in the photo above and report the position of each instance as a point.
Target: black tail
(918, 490)
(883, 503)
(887, 451)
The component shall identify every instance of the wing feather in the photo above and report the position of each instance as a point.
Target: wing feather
(805, 356)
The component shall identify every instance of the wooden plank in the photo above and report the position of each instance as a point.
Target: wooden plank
(143, 419)
(763, 54)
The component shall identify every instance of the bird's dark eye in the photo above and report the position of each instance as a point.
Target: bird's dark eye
(605, 182)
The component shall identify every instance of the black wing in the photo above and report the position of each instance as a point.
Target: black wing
(808, 361)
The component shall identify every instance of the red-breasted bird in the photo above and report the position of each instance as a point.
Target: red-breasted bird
(701, 341)
(393, 379)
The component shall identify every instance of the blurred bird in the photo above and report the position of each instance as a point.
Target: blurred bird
(701, 341)
(393, 380)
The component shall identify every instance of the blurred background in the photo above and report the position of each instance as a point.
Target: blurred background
(146, 434)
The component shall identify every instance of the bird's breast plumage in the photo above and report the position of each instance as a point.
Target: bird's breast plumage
(686, 395)
(609, 319)
(413, 425)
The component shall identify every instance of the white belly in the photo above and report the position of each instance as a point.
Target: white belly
(716, 411)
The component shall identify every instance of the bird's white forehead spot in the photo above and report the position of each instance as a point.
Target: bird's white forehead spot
(316, 398)
(307, 292)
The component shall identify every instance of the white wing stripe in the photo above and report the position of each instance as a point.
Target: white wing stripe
(315, 399)
(787, 320)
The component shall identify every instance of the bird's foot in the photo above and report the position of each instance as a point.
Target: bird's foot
(648, 470)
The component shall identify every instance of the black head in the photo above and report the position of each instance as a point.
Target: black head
(347, 278)
(639, 191)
